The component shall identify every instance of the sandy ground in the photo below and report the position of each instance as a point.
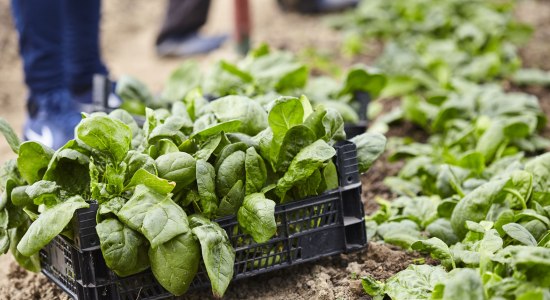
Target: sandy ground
(128, 31)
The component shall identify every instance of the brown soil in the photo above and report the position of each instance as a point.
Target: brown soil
(335, 277)
(20, 284)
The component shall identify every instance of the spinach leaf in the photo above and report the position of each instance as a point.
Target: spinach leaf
(173, 129)
(179, 167)
(33, 160)
(257, 217)
(159, 185)
(107, 135)
(520, 234)
(4, 237)
(155, 215)
(230, 203)
(206, 178)
(252, 116)
(124, 250)
(231, 170)
(50, 223)
(295, 139)
(69, 169)
(475, 205)
(369, 147)
(415, 282)
(255, 171)
(43, 192)
(175, 262)
(30, 263)
(286, 113)
(218, 256)
(463, 284)
(437, 248)
(9, 134)
(304, 164)
(182, 80)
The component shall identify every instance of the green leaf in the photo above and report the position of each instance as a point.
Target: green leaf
(369, 147)
(256, 173)
(156, 216)
(230, 203)
(33, 160)
(209, 147)
(228, 150)
(372, 286)
(30, 263)
(176, 262)
(174, 129)
(252, 115)
(50, 223)
(179, 167)
(206, 183)
(70, 170)
(218, 256)
(520, 234)
(491, 140)
(475, 205)
(227, 126)
(361, 79)
(330, 177)
(107, 135)
(231, 170)
(437, 249)
(43, 192)
(474, 161)
(304, 164)
(334, 126)
(130, 89)
(257, 217)
(295, 139)
(464, 284)
(4, 237)
(182, 80)
(403, 233)
(9, 134)
(124, 250)
(415, 282)
(19, 196)
(285, 114)
(155, 183)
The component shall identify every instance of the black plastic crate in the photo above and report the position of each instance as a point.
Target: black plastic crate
(309, 229)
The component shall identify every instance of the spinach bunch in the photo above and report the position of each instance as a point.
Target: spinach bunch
(263, 75)
(160, 187)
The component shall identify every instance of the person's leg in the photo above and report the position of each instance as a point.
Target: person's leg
(179, 33)
(39, 24)
(51, 113)
(82, 44)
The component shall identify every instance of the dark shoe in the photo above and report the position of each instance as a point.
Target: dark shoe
(188, 45)
(52, 118)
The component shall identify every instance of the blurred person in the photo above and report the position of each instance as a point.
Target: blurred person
(179, 34)
(60, 48)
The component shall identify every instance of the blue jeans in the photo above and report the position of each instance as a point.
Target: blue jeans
(59, 43)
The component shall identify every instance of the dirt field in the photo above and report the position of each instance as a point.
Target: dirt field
(129, 28)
